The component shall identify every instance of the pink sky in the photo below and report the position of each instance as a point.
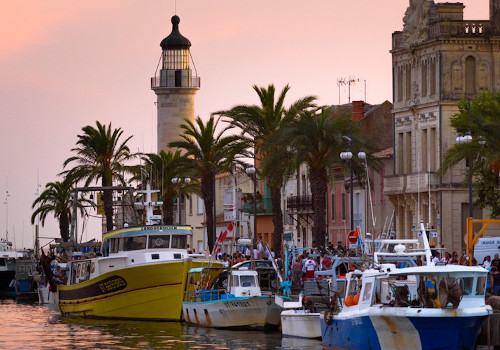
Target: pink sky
(66, 64)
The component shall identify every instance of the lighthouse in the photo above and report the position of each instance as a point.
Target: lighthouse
(175, 86)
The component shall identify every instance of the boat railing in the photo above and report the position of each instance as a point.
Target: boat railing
(204, 295)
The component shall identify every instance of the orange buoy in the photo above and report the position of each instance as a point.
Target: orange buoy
(356, 299)
(349, 301)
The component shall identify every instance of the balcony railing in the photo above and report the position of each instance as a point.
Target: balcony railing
(184, 82)
(454, 29)
(297, 204)
(263, 205)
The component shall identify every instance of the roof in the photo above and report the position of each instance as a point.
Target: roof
(175, 40)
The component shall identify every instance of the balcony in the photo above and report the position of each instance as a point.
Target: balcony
(410, 183)
(299, 204)
(263, 204)
(175, 82)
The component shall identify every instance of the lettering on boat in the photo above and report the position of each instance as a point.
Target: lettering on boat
(109, 285)
(112, 284)
(237, 304)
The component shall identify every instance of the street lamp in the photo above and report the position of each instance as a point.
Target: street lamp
(251, 171)
(347, 156)
(461, 139)
(178, 181)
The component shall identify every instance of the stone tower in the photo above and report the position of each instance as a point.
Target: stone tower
(175, 86)
(437, 59)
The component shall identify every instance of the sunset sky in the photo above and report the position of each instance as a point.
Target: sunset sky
(66, 64)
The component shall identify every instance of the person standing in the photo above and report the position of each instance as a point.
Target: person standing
(310, 267)
(495, 281)
(496, 262)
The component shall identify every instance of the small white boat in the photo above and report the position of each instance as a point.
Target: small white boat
(240, 304)
(298, 321)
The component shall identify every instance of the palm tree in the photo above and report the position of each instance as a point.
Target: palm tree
(100, 155)
(56, 199)
(316, 139)
(162, 168)
(260, 122)
(481, 117)
(209, 152)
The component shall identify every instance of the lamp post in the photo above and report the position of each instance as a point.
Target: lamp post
(347, 156)
(178, 181)
(251, 171)
(461, 139)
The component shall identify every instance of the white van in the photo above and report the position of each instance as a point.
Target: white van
(486, 246)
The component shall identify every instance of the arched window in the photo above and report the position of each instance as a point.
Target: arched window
(470, 75)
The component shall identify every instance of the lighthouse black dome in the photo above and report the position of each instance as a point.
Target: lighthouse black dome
(175, 40)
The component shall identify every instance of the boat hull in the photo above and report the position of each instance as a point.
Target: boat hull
(252, 312)
(7, 289)
(142, 292)
(402, 332)
(300, 323)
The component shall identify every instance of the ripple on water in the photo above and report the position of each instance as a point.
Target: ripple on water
(32, 326)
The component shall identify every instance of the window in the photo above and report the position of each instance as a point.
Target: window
(200, 205)
(408, 82)
(333, 206)
(400, 85)
(470, 75)
(433, 77)
(367, 292)
(191, 205)
(481, 284)
(135, 243)
(343, 206)
(179, 242)
(424, 158)
(248, 281)
(424, 79)
(159, 241)
(465, 284)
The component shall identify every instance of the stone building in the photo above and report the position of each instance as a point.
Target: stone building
(438, 58)
(175, 86)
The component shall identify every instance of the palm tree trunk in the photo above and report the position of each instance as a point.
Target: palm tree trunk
(319, 187)
(207, 193)
(64, 227)
(168, 209)
(277, 220)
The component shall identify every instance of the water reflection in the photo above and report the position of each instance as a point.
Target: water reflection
(36, 327)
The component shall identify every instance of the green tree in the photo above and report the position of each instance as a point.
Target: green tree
(100, 155)
(56, 199)
(481, 117)
(316, 138)
(209, 152)
(258, 123)
(162, 168)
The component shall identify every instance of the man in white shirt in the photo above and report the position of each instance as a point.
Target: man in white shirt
(310, 266)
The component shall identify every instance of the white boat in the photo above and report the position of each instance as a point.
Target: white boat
(8, 269)
(298, 321)
(423, 307)
(240, 304)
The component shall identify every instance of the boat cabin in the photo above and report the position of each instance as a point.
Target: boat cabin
(442, 287)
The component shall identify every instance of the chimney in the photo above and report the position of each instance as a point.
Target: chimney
(495, 15)
(358, 110)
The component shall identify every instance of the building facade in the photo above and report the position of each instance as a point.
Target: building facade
(438, 58)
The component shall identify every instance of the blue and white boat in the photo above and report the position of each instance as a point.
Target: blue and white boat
(232, 300)
(423, 307)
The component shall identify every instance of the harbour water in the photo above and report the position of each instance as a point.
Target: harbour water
(33, 326)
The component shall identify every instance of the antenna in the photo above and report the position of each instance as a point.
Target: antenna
(7, 195)
(347, 81)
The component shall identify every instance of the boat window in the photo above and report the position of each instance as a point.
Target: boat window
(135, 243)
(466, 284)
(248, 281)
(236, 281)
(159, 241)
(21, 269)
(367, 293)
(3, 262)
(78, 271)
(179, 242)
(114, 245)
(92, 267)
(481, 284)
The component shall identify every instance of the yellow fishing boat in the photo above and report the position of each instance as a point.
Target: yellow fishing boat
(141, 275)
